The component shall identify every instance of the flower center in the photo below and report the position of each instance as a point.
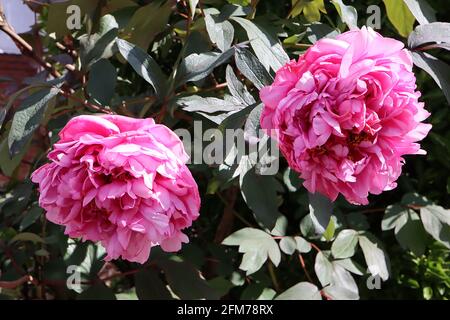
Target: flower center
(317, 151)
(354, 139)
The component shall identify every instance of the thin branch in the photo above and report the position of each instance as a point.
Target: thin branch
(218, 86)
(16, 283)
(85, 102)
(243, 220)
(36, 2)
(302, 263)
(226, 222)
(200, 5)
(26, 48)
(273, 276)
(323, 294)
(315, 247)
(70, 52)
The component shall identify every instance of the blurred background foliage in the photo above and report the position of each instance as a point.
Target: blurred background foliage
(191, 50)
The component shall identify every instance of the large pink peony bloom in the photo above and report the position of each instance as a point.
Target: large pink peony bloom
(120, 181)
(345, 113)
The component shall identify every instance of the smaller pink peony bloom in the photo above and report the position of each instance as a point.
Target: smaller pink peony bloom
(120, 181)
(346, 113)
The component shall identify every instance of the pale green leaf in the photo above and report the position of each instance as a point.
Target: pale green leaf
(301, 291)
(400, 16)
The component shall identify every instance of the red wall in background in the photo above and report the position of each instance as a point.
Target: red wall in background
(16, 68)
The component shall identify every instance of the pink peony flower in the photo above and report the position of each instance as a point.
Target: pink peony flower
(345, 113)
(120, 181)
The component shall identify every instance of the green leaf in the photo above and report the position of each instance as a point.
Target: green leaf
(16, 200)
(310, 8)
(349, 265)
(28, 117)
(221, 285)
(55, 269)
(252, 261)
(340, 293)
(394, 215)
(186, 282)
(102, 82)
(321, 209)
(257, 291)
(303, 246)
(221, 32)
(198, 66)
(16, 97)
(257, 246)
(427, 293)
(437, 69)
(97, 292)
(316, 31)
(211, 108)
(307, 227)
(99, 45)
(344, 245)
(147, 22)
(252, 68)
(252, 127)
(323, 269)
(232, 166)
(408, 229)
(357, 221)
(243, 3)
(260, 194)
(149, 286)
(239, 8)
(280, 226)
(237, 88)
(192, 6)
(376, 258)
(8, 165)
(436, 221)
(415, 199)
(292, 180)
(342, 285)
(27, 236)
(288, 245)
(421, 10)
(439, 212)
(237, 120)
(437, 32)
(30, 217)
(127, 295)
(331, 228)
(400, 16)
(301, 291)
(411, 235)
(144, 65)
(267, 48)
(92, 260)
(76, 252)
(348, 14)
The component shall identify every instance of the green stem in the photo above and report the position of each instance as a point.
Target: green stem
(273, 276)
